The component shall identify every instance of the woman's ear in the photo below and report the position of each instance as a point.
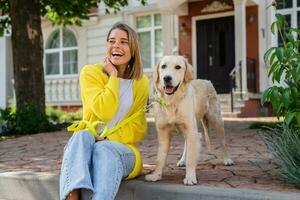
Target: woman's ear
(188, 74)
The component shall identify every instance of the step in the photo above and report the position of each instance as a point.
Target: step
(37, 186)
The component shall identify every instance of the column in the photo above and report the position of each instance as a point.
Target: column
(240, 40)
(6, 71)
(3, 100)
(167, 33)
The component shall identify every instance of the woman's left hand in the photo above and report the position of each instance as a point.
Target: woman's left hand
(99, 138)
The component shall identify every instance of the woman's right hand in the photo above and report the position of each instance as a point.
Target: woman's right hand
(109, 68)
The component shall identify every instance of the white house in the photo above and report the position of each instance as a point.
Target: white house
(219, 37)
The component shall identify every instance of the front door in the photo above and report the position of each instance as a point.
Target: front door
(215, 51)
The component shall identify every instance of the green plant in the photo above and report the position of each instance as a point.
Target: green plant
(264, 125)
(284, 143)
(57, 115)
(283, 140)
(26, 120)
(284, 62)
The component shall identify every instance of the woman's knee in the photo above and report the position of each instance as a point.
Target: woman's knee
(103, 150)
(83, 135)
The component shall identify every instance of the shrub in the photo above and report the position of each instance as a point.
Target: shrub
(284, 62)
(284, 143)
(56, 115)
(26, 120)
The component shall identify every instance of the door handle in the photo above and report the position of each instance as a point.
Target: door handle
(210, 61)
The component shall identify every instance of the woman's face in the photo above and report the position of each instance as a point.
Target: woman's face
(118, 48)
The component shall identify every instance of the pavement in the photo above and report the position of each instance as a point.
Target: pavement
(30, 166)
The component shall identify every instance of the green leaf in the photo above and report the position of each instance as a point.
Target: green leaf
(290, 37)
(273, 28)
(279, 53)
(295, 30)
(273, 68)
(272, 58)
(286, 97)
(298, 118)
(266, 56)
(289, 117)
(265, 97)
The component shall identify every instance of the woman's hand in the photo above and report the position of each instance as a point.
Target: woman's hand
(99, 138)
(109, 68)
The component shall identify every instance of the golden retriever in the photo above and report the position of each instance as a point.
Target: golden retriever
(188, 103)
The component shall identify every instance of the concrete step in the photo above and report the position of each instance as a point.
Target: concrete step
(43, 186)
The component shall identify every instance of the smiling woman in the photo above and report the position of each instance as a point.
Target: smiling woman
(114, 95)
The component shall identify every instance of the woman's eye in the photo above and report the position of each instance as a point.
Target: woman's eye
(177, 67)
(163, 66)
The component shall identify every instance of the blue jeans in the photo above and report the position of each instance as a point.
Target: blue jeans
(96, 168)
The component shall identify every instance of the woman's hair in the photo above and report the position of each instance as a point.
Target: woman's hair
(135, 68)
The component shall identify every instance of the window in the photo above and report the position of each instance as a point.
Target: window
(61, 53)
(149, 28)
(290, 9)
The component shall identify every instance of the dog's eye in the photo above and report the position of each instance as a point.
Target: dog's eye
(177, 67)
(163, 66)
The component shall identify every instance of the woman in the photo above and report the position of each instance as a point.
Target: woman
(116, 93)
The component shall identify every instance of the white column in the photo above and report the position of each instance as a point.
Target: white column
(3, 74)
(6, 71)
(240, 39)
(168, 33)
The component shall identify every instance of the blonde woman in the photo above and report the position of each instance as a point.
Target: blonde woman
(114, 92)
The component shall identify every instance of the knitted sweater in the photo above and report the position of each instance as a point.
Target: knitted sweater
(100, 101)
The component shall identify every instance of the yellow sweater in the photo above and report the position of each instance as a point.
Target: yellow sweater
(100, 101)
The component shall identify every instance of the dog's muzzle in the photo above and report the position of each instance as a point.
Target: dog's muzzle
(169, 89)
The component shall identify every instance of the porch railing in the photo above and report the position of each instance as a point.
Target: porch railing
(237, 70)
(62, 91)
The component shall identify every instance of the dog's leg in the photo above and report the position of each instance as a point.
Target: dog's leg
(163, 148)
(181, 162)
(217, 122)
(192, 148)
(205, 125)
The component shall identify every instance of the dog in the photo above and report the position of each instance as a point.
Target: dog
(188, 102)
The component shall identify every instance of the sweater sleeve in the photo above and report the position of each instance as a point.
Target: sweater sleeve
(99, 95)
(135, 130)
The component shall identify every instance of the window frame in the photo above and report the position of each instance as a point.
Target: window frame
(293, 13)
(152, 30)
(60, 51)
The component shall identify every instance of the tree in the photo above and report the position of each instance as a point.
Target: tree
(24, 17)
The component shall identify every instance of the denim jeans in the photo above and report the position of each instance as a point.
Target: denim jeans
(97, 168)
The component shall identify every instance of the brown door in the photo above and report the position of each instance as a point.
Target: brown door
(215, 51)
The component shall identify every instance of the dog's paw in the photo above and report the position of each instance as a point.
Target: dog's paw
(228, 162)
(190, 180)
(153, 177)
(181, 163)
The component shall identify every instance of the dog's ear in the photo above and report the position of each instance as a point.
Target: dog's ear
(155, 75)
(188, 74)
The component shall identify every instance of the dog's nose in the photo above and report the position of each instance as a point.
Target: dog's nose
(167, 79)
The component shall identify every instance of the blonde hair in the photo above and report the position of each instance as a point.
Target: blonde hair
(135, 67)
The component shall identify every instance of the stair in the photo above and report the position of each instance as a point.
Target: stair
(238, 103)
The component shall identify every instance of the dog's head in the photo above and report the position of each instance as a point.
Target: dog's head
(172, 73)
